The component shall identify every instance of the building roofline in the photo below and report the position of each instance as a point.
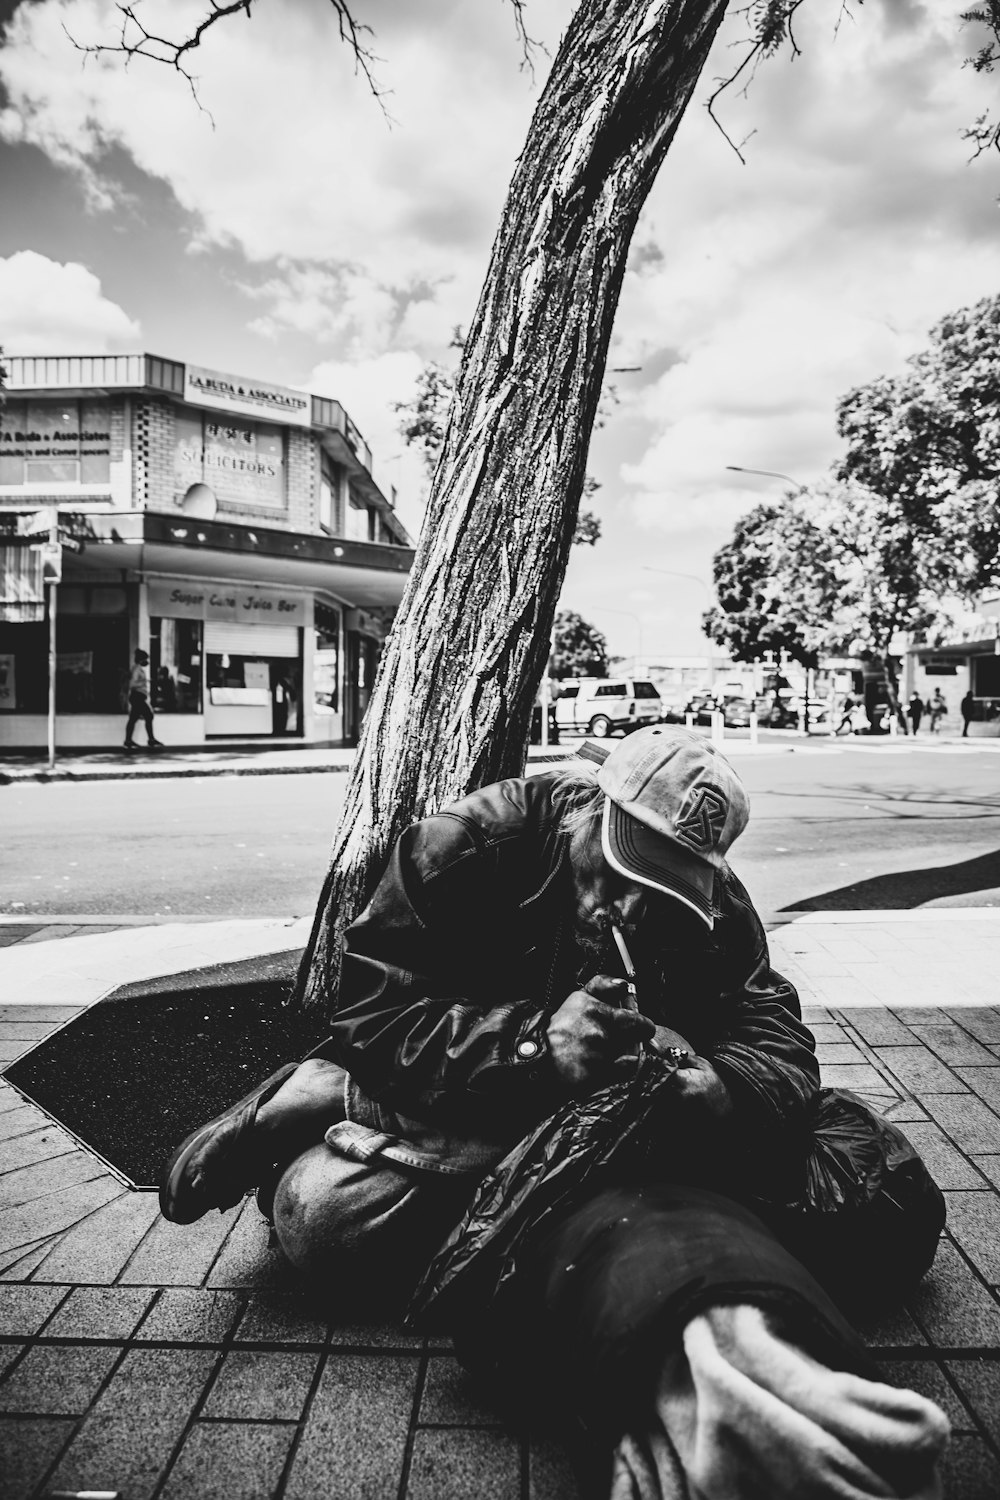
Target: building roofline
(76, 375)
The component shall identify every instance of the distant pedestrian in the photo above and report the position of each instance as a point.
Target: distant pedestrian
(966, 707)
(915, 709)
(938, 709)
(138, 701)
(846, 710)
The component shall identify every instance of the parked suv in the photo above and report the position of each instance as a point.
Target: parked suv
(600, 705)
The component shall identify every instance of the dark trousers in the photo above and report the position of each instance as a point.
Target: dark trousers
(138, 708)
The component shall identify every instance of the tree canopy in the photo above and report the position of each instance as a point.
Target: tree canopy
(927, 442)
(579, 649)
(907, 520)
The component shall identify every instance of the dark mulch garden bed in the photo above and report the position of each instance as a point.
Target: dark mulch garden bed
(136, 1072)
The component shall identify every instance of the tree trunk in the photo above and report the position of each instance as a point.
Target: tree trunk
(452, 702)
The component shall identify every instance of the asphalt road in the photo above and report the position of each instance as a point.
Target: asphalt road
(846, 829)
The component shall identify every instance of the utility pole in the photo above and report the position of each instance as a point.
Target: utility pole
(42, 522)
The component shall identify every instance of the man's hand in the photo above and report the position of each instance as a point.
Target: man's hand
(701, 1089)
(587, 1036)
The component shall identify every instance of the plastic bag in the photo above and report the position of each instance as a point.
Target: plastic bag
(869, 1215)
(583, 1139)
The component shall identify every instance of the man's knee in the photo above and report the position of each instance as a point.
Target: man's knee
(339, 1219)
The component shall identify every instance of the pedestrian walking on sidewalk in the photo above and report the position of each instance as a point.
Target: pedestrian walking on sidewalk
(846, 710)
(967, 705)
(487, 988)
(915, 709)
(138, 701)
(938, 710)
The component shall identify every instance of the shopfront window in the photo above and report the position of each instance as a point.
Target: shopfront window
(54, 442)
(175, 664)
(242, 462)
(92, 649)
(24, 668)
(326, 661)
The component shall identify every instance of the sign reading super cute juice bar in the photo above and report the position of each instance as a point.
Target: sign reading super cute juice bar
(223, 601)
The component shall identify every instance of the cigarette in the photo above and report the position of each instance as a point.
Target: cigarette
(83, 1495)
(632, 1000)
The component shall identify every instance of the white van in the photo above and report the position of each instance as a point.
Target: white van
(600, 705)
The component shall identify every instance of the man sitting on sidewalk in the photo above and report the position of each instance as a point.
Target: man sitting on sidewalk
(481, 988)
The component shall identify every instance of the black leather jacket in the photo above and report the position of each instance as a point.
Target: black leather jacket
(453, 969)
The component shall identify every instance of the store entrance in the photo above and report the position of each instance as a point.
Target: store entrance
(253, 681)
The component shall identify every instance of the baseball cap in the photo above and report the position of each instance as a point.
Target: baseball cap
(673, 806)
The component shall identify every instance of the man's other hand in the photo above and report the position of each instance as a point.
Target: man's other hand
(586, 1037)
(702, 1090)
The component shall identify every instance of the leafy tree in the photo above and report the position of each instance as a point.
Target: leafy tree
(835, 569)
(928, 443)
(579, 649)
(769, 581)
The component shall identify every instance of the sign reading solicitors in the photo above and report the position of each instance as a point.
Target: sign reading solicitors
(224, 601)
(251, 398)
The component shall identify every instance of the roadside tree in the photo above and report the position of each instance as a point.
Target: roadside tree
(579, 650)
(928, 443)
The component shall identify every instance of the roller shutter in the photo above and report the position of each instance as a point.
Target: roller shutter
(224, 638)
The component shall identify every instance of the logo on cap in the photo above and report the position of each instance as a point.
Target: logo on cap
(700, 824)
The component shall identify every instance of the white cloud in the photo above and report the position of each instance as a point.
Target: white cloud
(50, 308)
(301, 166)
(780, 285)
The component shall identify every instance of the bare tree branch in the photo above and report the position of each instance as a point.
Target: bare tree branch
(771, 27)
(138, 41)
(529, 46)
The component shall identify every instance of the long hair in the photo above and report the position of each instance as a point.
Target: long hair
(578, 798)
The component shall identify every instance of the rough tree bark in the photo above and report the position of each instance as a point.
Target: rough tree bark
(452, 702)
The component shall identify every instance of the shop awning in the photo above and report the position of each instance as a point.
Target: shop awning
(22, 593)
(363, 575)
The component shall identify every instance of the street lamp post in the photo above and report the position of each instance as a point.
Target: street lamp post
(767, 473)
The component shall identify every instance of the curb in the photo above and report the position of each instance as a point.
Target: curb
(168, 773)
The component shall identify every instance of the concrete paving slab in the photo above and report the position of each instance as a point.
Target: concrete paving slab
(99, 1248)
(261, 1385)
(131, 1432)
(486, 1464)
(58, 1379)
(99, 1312)
(29, 1446)
(355, 1433)
(191, 1315)
(218, 1456)
(23, 1309)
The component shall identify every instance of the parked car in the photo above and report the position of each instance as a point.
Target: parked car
(776, 713)
(736, 713)
(673, 710)
(602, 705)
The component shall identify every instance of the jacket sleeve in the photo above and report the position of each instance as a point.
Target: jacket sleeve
(423, 1009)
(765, 1055)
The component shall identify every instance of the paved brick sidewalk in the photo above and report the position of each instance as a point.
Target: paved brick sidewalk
(172, 1362)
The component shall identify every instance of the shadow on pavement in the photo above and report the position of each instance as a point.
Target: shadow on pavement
(909, 888)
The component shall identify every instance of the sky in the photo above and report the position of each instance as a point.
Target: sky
(285, 225)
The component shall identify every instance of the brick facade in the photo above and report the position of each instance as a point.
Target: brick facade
(303, 481)
(154, 439)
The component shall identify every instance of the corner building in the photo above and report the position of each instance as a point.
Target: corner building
(230, 527)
